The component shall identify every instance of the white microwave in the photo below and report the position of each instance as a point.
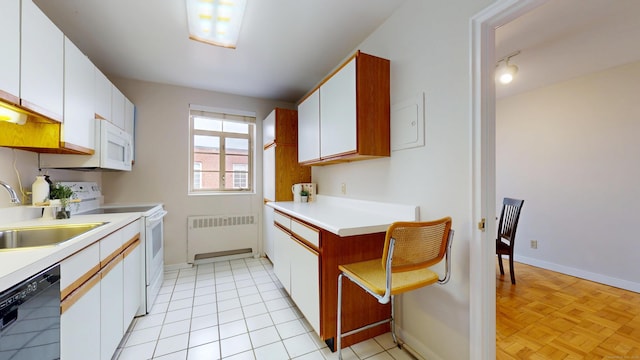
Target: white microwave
(113, 151)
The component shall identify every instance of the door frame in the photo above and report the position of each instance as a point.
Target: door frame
(482, 279)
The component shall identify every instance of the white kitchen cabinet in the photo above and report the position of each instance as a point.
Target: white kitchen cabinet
(102, 95)
(269, 129)
(111, 307)
(269, 173)
(132, 264)
(352, 118)
(80, 310)
(305, 282)
(10, 59)
(42, 63)
(282, 244)
(309, 128)
(80, 322)
(78, 98)
(338, 112)
(117, 108)
(268, 232)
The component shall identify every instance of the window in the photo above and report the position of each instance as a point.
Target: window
(221, 150)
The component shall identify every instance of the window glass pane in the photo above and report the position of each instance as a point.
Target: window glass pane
(234, 127)
(236, 146)
(210, 180)
(204, 143)
(208, 161)
(197, 175)
(203, 123)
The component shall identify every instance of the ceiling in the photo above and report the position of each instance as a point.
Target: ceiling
(563, 39)
(287, 47)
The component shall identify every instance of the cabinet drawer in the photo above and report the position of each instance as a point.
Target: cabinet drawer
(110, 247)
(130, 233)
(77, 269)
(282, 219)
(306, 232)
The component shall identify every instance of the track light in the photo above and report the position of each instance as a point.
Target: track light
(506, 71)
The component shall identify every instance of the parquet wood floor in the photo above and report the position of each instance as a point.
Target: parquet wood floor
(548, 315)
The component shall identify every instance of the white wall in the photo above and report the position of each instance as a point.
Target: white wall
(428, 44)
(160, 173)
(571, 151)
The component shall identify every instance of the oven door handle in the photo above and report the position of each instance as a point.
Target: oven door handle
(157, 217)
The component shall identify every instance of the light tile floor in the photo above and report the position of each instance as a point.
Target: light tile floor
(233, 310)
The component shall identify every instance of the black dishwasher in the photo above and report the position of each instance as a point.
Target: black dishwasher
(30, 318)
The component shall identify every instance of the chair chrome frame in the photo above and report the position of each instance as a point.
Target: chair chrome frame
(386, 297)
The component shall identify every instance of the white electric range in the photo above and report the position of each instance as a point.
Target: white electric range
(151, 233)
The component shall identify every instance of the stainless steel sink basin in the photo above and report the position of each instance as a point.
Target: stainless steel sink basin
(36, 236)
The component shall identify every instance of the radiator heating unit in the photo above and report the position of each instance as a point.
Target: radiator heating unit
(221, 237)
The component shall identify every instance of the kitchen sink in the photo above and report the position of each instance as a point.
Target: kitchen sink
(37, 236)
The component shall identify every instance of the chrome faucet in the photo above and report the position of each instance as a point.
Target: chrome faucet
(12, 193)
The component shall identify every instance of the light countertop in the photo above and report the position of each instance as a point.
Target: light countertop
(17, 265)
(347, 217)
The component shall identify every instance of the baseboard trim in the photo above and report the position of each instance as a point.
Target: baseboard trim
(583, 274)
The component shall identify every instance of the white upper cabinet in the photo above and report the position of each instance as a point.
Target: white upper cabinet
(269, 129)
(102, 96)
(129, 116)
(42, 63)
(347, 118)
(338, 112)
(117, 107)
(10, 59)
(78, 98)
(309, 128)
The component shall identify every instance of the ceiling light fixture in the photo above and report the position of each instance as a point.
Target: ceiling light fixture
(505, 71)
(215, 22)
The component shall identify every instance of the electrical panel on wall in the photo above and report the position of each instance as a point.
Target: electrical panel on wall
(407, 123)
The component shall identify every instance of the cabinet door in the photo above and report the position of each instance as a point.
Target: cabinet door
(309, 128)
(305, 282)
(338, 112)
(102, 95)
(42, 63)
(269, 173)
(117, 108)
(132, 266)
(111, 309)
(268, 232)
(10, 59)
(269, 129)
(78, 97)
(282, 257)
(80, 322)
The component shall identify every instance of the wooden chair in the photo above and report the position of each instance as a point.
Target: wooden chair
(410, 248)
(506, 238)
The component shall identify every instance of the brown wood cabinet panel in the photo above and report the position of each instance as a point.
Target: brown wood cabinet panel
(288, 171)
(358, 307)
(373, 106)
(286, 127)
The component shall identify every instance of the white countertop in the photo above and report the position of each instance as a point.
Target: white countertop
(348, 217)
(17, 265)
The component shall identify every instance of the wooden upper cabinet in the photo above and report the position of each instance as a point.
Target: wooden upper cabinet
(280, 156)
(10, 59)
(42, 63)
(353, 113)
